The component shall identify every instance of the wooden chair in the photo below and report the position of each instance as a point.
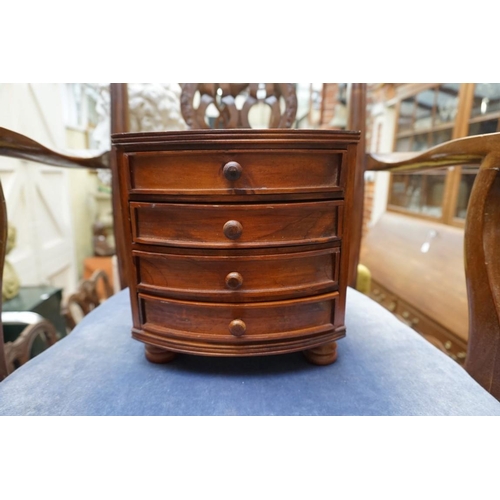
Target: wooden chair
(19, 351)
(87, 298)
(482, 269)
(223, 97)
(481, 240)
(18, 146)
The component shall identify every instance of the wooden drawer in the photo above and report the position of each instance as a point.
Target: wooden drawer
(238, 278)
(236, 226)
(235, 327)
(230, 173)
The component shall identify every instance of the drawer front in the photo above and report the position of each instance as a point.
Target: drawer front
(206, 172)
(238, 278)
(236, 226)
(233, 323)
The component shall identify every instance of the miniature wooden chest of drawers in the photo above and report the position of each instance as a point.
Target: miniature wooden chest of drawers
(237, 239)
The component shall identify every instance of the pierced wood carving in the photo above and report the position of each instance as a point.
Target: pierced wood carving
(225, 97)
(18, 352)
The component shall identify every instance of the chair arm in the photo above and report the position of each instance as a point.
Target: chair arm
(465, 151)
(481, 242)
(19, 146)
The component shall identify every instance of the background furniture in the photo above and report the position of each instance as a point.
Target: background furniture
(26, 334)
(32, 322)
(93, 264)
(419, 262)
(91, 293)
(43, 300)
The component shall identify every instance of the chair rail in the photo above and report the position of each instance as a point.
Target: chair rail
(17, 145)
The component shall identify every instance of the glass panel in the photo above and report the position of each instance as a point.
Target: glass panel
(432, 194)
(486, 127)
(405, 119)
(447, 103)
(486, 99)
(315, 110)
(403, 144)
(464, 190)
(420, 142)
(441, 136)
(397, 195)
(423, 112)
(418, 193)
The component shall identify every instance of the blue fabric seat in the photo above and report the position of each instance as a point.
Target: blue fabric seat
(383, 368)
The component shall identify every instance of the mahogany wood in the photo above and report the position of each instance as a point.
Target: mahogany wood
(223, 97)
(357, 121)
(322, 355)
(19, 146)
(3, 250)
(264, 272)
(482, 239)
(158, 355)
(238, 278)
(206, 173)
(482, 267)
(236, 226)
(119, 123)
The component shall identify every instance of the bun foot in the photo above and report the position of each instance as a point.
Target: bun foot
(158, 354)
(323, 355)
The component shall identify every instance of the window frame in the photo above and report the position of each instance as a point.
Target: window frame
(460, 128)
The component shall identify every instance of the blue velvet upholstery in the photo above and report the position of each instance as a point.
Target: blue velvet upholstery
(383, 368)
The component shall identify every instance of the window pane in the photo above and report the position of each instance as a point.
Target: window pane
(405, 119)
(403, 144)
(441, 136)
(418, 193)
(447, 103)
(486, 98)
(423, 113)
(420, 142)
(486, 127)
(464, 190)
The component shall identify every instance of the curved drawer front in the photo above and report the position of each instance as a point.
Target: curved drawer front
(236, 323)
(238, 278)
(236, 226)
(206, 172)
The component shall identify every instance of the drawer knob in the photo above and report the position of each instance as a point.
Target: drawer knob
(232, 229)
(234, 280)
(237, 327)
(232, 171)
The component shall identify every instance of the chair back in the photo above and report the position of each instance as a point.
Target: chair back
(231, 104)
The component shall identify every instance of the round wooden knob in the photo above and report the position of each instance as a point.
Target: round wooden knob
(237, 327)
(232, 229)
(234, 280)
(232, 171)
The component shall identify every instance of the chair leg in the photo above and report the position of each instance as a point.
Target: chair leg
(323, 355)
(159, 355)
